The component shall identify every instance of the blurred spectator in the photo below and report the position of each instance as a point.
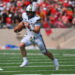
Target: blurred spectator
(9, 21)
(73, 22)
(58, 13)
(59, 24)
(64, 18)
(5, 0)
(4, 16)
(26, 3)
(18, 18)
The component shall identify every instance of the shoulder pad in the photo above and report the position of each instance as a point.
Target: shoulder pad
(37, 18)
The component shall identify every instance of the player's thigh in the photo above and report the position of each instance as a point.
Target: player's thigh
(26, 41)
(40, 43)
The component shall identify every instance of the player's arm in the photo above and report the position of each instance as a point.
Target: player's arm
(36, 29)
(19, 27)
(37, 26)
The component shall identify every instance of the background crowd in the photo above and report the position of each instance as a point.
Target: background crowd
(57, 13)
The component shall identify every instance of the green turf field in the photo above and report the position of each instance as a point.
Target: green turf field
(38, 63)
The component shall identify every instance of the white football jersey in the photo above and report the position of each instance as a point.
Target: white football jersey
(32, 22)
(32, 37)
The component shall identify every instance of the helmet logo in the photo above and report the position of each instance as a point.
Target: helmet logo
(30, 9)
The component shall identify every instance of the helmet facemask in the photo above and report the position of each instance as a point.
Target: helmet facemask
(30, 14)
(30, 10)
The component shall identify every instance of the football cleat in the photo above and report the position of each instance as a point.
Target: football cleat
(56, 64)
(1, 69)
(24, 63)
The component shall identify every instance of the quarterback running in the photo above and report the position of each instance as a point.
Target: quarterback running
(32, 24)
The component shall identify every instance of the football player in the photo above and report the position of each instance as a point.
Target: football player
(32, 24)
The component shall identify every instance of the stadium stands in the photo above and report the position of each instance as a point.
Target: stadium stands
(59, 13)
(67, 39)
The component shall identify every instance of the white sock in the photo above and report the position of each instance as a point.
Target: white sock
(24, 58)
(54, 61)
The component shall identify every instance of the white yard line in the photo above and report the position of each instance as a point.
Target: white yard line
(40, 70)
(10, 63)
(44, 74)
(10, 53)
(62, 74)
(36, 66)
(68, 54)
(27, 53)
(36, 62)
(49, 65)
(37, 59)
(28, 74)
(35, 54)
(11, 71)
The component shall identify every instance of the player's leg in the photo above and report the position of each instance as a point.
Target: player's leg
(22, 49)
(44, 50)
(23, 53)
(25, 42)
(49, 54)
(55, 61)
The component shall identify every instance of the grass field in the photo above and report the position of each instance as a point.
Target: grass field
(38, 63)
